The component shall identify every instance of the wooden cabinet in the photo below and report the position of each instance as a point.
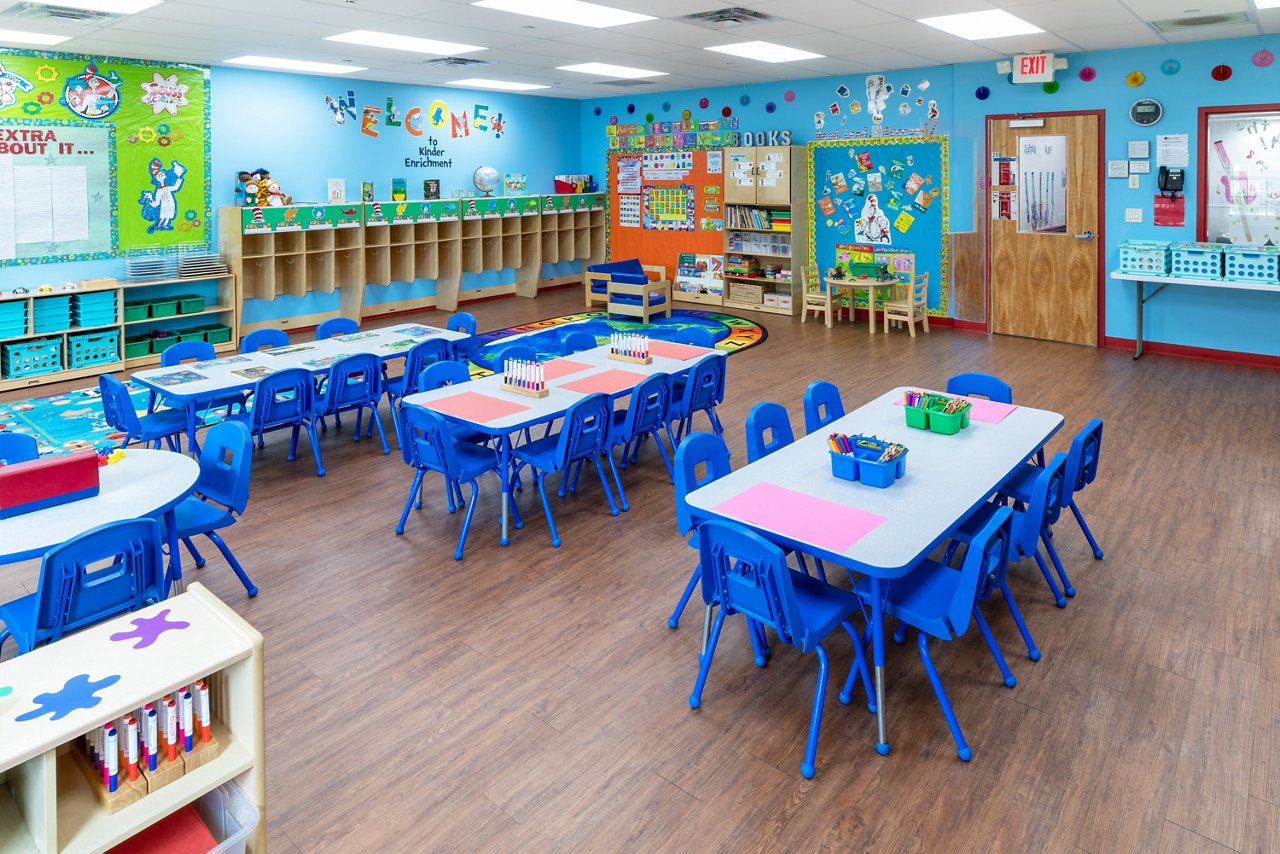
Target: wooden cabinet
(760, 175)
(766, 226)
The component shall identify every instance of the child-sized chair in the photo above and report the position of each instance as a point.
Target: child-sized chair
(198, 351)
(912, 307)
(646, 416)
(747, 574)
(118, 411)
(336, 326)
(355, 382)
(769, 429)
(695, 336)
(282, 400)
(465, 323)
(420, 355)
(816, 296)
(578, 341)
(701, 391)
(17, 448)
(259, 339)
(981, 385)
(822, 405)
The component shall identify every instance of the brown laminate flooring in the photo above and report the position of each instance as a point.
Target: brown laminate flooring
(530, 698)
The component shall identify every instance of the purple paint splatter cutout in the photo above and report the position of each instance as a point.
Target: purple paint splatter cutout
(147, 629)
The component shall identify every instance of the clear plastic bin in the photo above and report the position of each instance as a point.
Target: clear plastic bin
(230, 816)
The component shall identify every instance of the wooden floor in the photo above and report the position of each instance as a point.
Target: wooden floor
(531, 698)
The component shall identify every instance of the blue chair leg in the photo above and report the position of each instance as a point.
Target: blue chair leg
(195, 554)
(949, 554)
(622, 495)
(413, 498)
(1084, 526)
(249, 586)
(1058, 598)
(662, 449)
(1009, 679)
(466, 522)
(715, 420)
(674, 620)
(516, 521)
(293, 443)
(963, 750)
(377, 422)
(821, 570)
(815, 716)
(900, 634)
(604, 482)
(759, 646)
(546, 508)
(859, 667)
(1067, 587)
(1033, 652)
(315, 448)
(695, 699)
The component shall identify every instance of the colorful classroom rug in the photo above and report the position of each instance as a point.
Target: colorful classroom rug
(73, 421)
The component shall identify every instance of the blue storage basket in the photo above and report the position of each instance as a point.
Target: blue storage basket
(94, 317)
(1196, 260)
(1251, 264)
(93, 349)
(51, 323)
(51, 305)
(1145, 256)
(30, 358)
(13, 312)
(94, 302)
(13, 330)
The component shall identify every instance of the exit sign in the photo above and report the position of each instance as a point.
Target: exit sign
(1033, 68)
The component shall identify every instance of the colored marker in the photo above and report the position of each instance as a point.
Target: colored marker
(170, 730)
(188, 730)
(111, 753)
(152, 738)
(131, 747)
(202, 708)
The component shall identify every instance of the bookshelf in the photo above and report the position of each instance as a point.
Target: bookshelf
(765, 228)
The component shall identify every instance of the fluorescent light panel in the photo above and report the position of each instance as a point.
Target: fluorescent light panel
(499, 85)
(278, 64)
(567, 12)
(604, 69)
(391, 41)
(977, 26)
(117, 7)
(765, 51)
(20, 37)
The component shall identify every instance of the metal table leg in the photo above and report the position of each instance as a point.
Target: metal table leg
(504, 455)
(173, 573)
(1137, 350)
(877, 644)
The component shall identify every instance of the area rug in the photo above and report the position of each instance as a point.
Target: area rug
(73, 421)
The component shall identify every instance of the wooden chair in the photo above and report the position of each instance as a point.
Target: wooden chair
(912, 307)
(595, 282)
(817, 296)
(640, 300)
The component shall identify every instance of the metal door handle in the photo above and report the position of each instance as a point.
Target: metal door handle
(1085, 235)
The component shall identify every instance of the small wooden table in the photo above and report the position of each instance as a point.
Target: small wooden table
(853, 286)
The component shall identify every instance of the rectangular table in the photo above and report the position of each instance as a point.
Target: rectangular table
(560, 377)
(947, 478)
(190, 383)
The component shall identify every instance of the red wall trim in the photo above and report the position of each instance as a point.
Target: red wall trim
(1256, 360)
(1202, 153)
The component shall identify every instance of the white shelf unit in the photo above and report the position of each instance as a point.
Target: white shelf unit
(47, 805)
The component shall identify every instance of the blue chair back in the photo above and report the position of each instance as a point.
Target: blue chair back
(178, 353)
(422, 354)
(353, 380)
(585, 434)
(519, 352)
(650, 406)
(984, 564)
(1082, 459)
(17, 448)
(76, 589)
(425, 441)
(822, 405)
(576, 342)
(336, 326)
(440, 374)
(259, 339)
(982, 385)
(226, 457)
(1045, 505)
(694, 335)
(768, 429)
(117, 406)
(282, 398)
(705, 387)
(462, 322)
(700, 459)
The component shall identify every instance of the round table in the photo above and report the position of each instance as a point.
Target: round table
(853, 286)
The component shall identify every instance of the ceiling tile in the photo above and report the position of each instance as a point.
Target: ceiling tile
(945, 54)
(1206, 33)
(1067, 14)
(905, 35)
(1025, 44)
(1156, 10)
(916, 9)
(1114, 36)
(825, 14)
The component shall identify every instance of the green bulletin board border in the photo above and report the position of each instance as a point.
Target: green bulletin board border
(104, 59)
(944, 260)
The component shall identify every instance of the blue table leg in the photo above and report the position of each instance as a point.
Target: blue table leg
(877, 643)
(504, 454)
(173, 573)
(193, 418)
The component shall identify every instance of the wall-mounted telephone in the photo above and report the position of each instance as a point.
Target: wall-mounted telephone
(1170, 181)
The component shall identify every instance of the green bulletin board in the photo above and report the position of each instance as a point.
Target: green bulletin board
(101, 156)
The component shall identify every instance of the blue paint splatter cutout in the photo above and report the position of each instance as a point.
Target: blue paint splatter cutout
(78, 693)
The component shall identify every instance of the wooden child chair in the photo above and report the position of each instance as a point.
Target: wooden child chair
(912, 308)
(817, 295)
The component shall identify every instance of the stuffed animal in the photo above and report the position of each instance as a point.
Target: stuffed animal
(257, 189)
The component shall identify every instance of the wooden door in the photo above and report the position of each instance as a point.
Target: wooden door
(773, 175)
(740, 176)
(1044, 242)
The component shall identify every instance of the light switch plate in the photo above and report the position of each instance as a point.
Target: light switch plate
(1134, 182)
(1133, 214)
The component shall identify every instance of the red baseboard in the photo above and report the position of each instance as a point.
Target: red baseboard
(1159, 348)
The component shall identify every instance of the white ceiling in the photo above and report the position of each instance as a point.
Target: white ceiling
(854, 36)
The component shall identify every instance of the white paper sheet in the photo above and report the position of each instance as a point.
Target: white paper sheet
(69, 192)
(8, 236)
(32, 188)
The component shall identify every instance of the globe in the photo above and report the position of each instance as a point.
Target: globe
(486, 179)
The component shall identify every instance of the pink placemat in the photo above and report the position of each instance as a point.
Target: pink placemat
(608, 382)
(987, 411)
(475, 407)
(826, 524)
(557, 368)
(681, 352)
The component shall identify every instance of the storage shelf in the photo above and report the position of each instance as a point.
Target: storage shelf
(152, 359)
(217, 309)
(748, 306)
(70, 329)
(14, 836)
(760, 230)
(739, 278)
(140, 283)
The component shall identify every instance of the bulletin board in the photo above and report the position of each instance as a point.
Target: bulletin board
(666, 201)
(101, 156)
(886, 193)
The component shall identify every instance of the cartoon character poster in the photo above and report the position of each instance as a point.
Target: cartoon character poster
(160, 204)
(873, 225)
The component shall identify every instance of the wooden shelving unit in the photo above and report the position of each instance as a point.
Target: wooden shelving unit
(777, 185)
(46, 803)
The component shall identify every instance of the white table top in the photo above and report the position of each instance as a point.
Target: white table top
(560, 399)
(219, 375)
(946, 478)
(1199, 283)
(143, 483)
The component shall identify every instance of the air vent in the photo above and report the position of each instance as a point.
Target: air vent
(1174, 25)
(725, 19)
(457, 62)
(625, 84)
(41, 12)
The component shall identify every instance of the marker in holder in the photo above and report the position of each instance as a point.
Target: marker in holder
(628, 347)
(867, 459)
(524, 377)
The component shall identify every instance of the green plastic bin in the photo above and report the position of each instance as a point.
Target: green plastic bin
(917, 417)
(190, 304)
(136, 346)
(164, 307)
(159, 345)
(947, 425)
(194, 333)
(217, 333)
(136, 311)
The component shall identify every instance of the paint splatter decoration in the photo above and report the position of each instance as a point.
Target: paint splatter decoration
(146, 629)
(79, 692)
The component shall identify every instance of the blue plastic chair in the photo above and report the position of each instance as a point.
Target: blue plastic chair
(938, 601)
(768, 429)
(645, 416)
(466, 323)
(355, 382)
(221, 494)
(982, 385)
(700, 391)
(420, 355)
(286, 399)
(260, 339)
(1080, 470)
(515, 352)
(749, 575)
(118, 411)
(584, 436)
(822, 405)
(576, 342)
(17, 448)
(427, 444)
(708, 454)
(76, 590)
(336, 326)
(695, 335)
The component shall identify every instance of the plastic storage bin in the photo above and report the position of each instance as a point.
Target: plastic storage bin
(13, 319)
(136, 311)
(159, 345)
(216, 333)
(194, 333)
(1196, 260)
(190, 304)
(882, 475)
(844, 466)
(164, 307)
(94, 348)
(230, 816)
(917, 417)
(1251, 264)
(136, 346)
(30, 358)
(1145, 256)
(51, 314)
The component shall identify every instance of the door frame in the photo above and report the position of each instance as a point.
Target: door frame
(1100, 233)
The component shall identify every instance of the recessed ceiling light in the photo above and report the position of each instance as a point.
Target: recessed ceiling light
(500, 85)
(117, 7)
(567, 12)
(604, 69)
(396, 42)
(976, 26)
(20, 37)
(765, 51)
(279, 64)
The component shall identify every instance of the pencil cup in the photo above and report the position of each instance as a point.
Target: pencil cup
(947, 425)
(882, 475)
(844, 466)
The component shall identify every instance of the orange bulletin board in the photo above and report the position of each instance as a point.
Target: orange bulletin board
(646, 215)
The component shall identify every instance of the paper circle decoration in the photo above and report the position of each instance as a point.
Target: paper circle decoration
(648, 117)
(1263, 58)
(1088, 73)
(982, 93)
(631, 108)
(597, 111)
(769, 106)
(703, 103)
(613, 120)
(1170, 67)
(685, 115)
(789, 96)
(666, 106)
(726, 111)
(1135, 78)
(1221, 72)
(1050, 87)
(744, 100)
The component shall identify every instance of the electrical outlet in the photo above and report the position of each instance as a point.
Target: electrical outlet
(1133, 214)
(1134, 183)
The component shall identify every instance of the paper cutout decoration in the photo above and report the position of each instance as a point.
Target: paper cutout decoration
(1087, 73)
(703, 103)
(1263, 58)
(631, 108)
(648, 118)
(843, 91)
(1170, 67)
(982, 93)
(819, 120)
(666, 106)
(744, 100)
(903, 222)
(686, 115)
(726, 111)
(1050, 87)
(1221, 72)
(146, 629)
(789, 96)
(79, 692)
(1135, 79)
(769, 107)
(613, 120)
(597, 111)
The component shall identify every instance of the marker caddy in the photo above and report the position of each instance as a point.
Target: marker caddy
(523, 377)
(866, 459)
(626, 347)
(937, 412)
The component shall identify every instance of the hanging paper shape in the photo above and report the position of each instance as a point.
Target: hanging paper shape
(1221, 72)
(1088, 73)
(1170, 67)
(1135, 79)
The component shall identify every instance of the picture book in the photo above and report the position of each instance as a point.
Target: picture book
(399, 190)
(254, 373)
(290, 348)
(355, 336)
(178, 378)
(323, 361)
(337, 191)
(218, 363)
(416, 331)
(431, 188)
(366, 191)
(398, 346)
(513, 183)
